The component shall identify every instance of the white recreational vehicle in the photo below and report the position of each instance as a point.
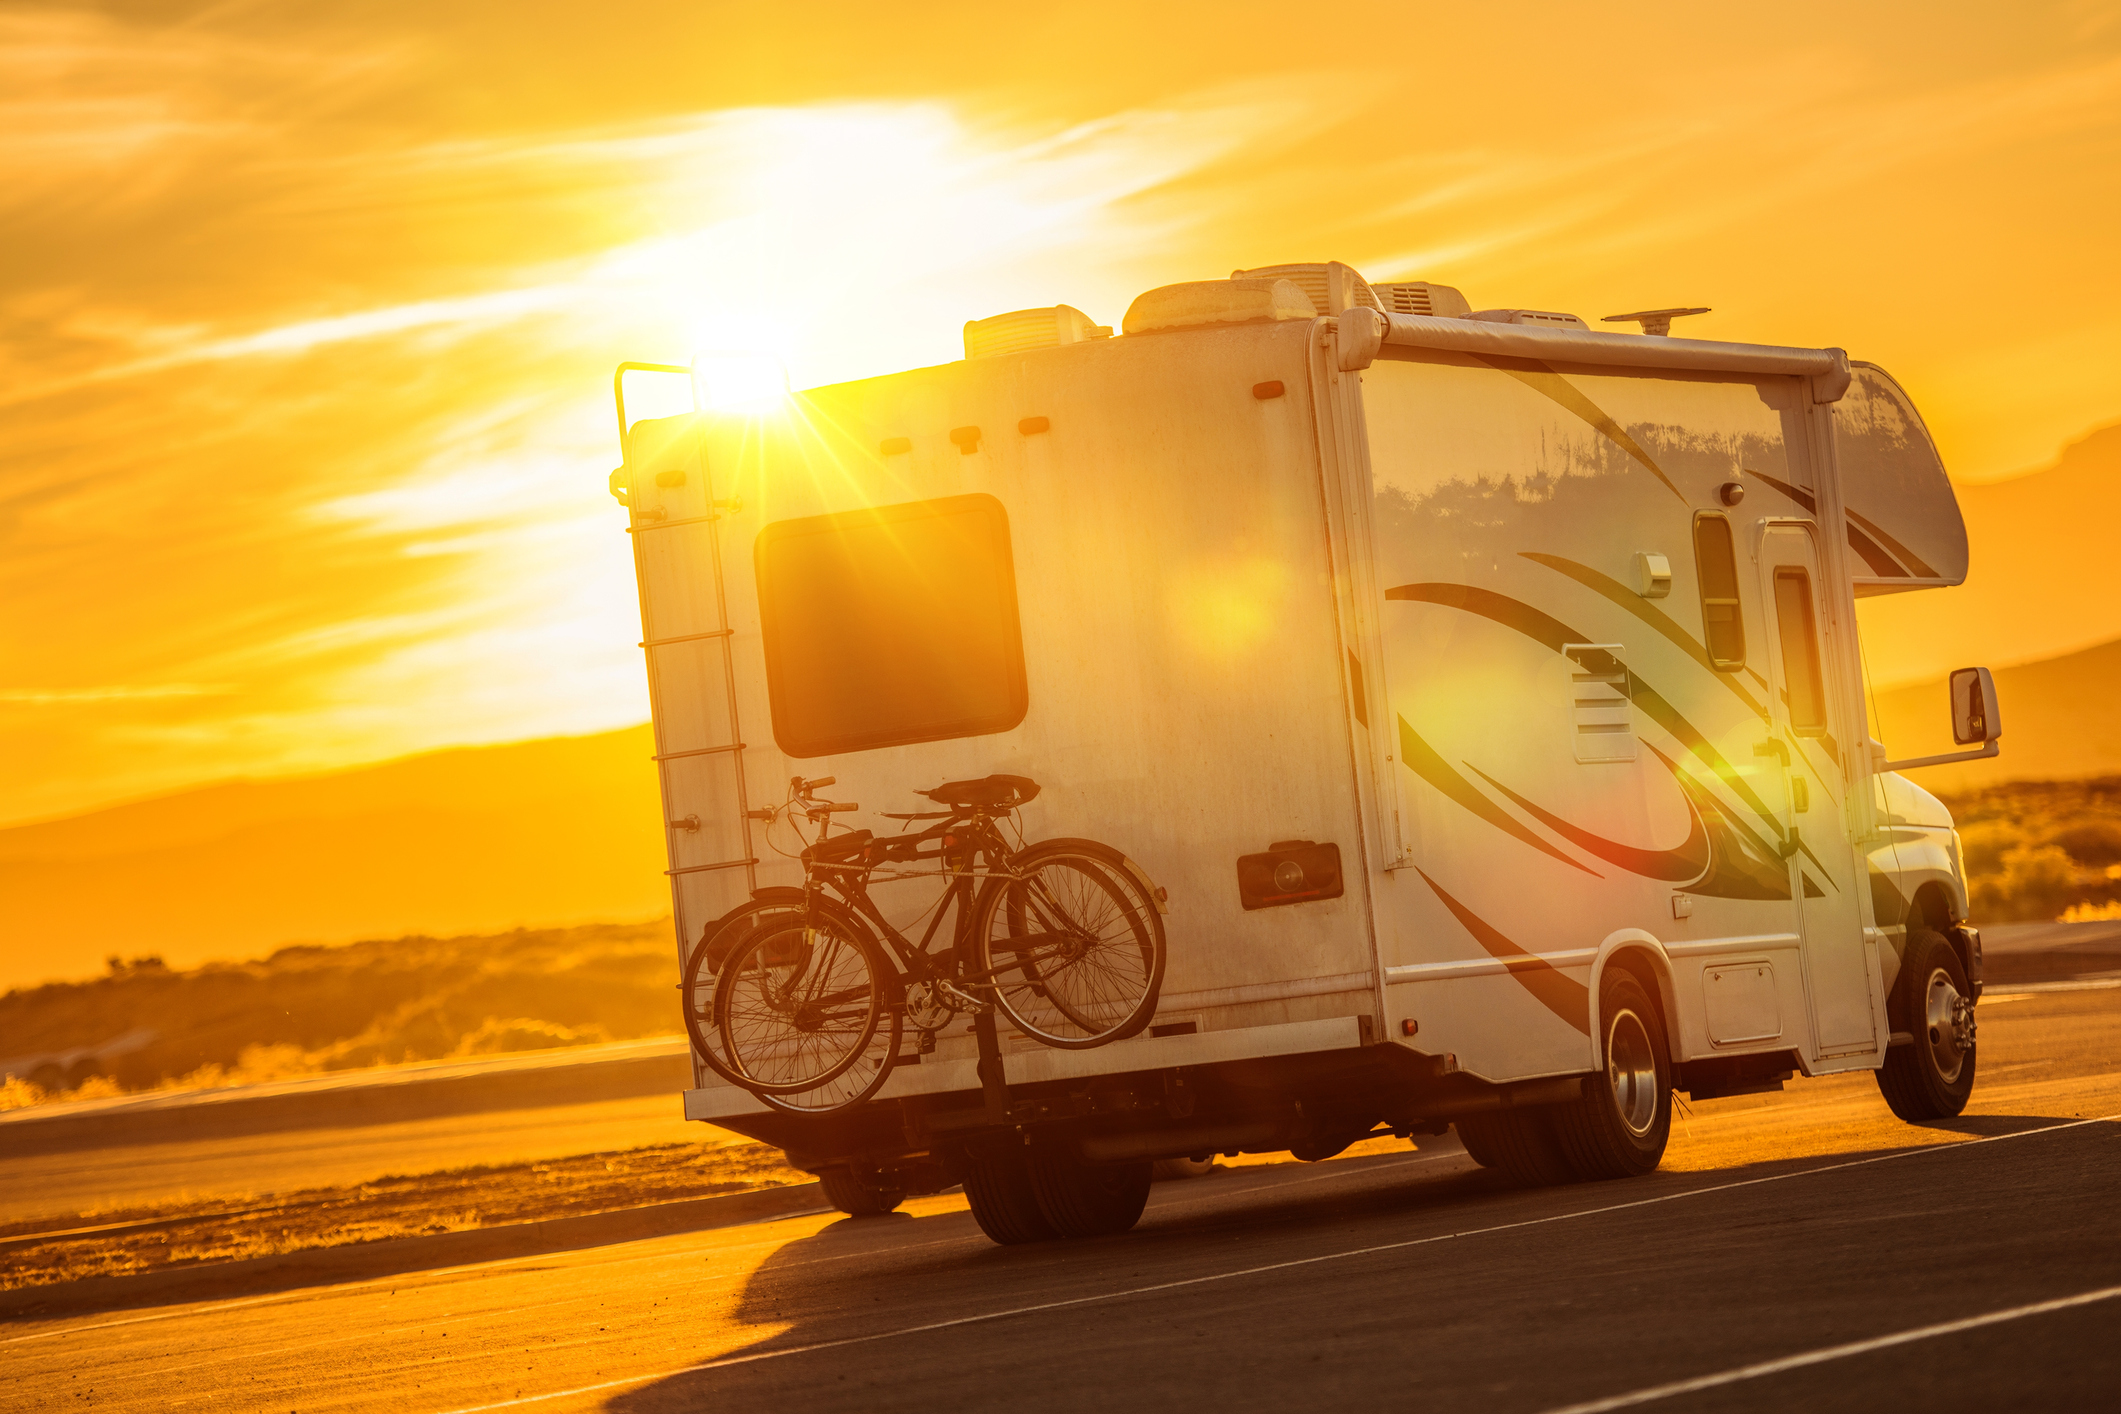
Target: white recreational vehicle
(1479, 693)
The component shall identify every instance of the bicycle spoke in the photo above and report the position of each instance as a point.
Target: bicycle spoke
(799, 1007)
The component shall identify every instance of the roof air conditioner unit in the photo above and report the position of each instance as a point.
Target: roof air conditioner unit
(1544, 318)
(1022, 330)
(1332, 287)
(1421, 297)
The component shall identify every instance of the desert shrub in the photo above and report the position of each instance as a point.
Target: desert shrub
(1985, 842)
(2035, 883)
(309, 1009)
(496, 1036)
(2094, 842)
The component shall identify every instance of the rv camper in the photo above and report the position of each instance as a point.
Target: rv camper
(1479, 693)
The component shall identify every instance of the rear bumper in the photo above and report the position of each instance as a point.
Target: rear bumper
(722, 1104)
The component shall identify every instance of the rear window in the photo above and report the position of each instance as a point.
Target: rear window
(890, 626)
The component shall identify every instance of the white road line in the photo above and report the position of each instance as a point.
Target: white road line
(986, 1316)
(1835, 1352)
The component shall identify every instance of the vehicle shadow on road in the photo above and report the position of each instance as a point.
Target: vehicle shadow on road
(849, 1294)
(1990, 1126)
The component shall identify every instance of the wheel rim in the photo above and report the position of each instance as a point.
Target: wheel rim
(1631, 1072)
(1948, 1017)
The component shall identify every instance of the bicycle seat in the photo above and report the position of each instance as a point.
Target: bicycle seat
(986, 793)
(838, 847)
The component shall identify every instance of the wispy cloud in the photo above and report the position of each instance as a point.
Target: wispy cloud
(74, 696)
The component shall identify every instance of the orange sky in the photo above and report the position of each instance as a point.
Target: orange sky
(307, 313)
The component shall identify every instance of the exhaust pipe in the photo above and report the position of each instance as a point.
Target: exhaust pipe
(1181, 1143)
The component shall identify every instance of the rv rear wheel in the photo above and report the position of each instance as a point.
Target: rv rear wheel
(998, 1190)
(1518, 1144)
(1934, 1077)
(1621, 1125)
(854, 1198)
(1088, 1200)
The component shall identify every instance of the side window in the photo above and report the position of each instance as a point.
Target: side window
(889, 626)
(1716, 566)
(1800, 649)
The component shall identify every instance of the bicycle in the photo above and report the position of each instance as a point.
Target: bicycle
(1061, 937)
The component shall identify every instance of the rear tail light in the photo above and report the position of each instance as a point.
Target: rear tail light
(1291, 871)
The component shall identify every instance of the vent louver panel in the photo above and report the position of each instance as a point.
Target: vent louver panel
(1421, 297)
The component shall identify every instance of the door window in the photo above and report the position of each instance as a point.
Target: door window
(1799, 634)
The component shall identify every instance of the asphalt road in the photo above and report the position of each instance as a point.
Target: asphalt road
(1804, 1250)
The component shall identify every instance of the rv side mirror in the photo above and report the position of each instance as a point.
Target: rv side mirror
(1975, 716)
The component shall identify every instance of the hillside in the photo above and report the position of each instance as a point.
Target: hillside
(2059, 721)
(305, 1010)
(534, 834)
(2042, 577)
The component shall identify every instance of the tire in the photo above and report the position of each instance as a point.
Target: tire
(717, 940)
(1934, 1077)
(1620, 1127)
(1518, 1144)
(1172, 1170)
(1088, 1200)
(847, 1193)
(998, 1190)
(798, 1004)
(1072, 944)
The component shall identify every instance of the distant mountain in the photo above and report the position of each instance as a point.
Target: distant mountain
(2061, 718)
(2043, 581)
(538, 833)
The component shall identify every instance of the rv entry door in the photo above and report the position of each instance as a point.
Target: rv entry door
(1805, 747)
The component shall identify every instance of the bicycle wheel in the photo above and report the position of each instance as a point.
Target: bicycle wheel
(704, 966)
(1072, 945)
(799, 1001)
(851, 1086)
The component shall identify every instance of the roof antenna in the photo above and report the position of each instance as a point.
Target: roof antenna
(1653, 321)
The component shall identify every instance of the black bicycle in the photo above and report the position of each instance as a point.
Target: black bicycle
(1062, 937)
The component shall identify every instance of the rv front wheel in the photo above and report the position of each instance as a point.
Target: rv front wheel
(1621, 1125)
(1933, 1076)
(1518, 1144)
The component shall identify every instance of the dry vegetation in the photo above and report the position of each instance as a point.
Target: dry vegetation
(150, 1239)
(306, 1010)
(2042, 850)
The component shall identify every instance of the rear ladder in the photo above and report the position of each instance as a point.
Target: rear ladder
(673, 517)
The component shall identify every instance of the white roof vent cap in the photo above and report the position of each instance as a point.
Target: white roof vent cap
(1332, 287)
(1022, 330)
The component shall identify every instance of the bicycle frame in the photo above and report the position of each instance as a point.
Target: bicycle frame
(961, 858)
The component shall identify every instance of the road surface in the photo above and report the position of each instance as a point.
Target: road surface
(1798, 1250)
